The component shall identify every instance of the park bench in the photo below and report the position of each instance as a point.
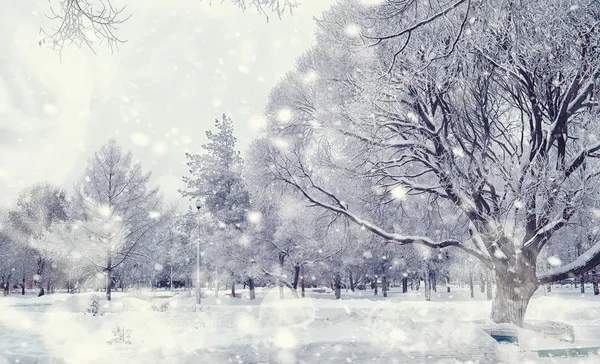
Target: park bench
(551, 329)
(502, 333)
(237, 295)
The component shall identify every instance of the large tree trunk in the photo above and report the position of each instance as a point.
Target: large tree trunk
(351, 280)
(433, 278)
(233, 288)
(404, 284)
(582, 281)
(515, 285)
(338, 286)
(251, 287)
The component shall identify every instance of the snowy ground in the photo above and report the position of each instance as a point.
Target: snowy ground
(359, 328)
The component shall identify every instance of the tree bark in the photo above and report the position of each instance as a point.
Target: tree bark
(427, 286)
(351, 280)
(216, 282)
(296, 276)
(595, 283)
(482, 284)
(404, 284)
(233, 289)
(108, 283)
(338, 286)
(109, 277)
(302, 284)
(433, 277)
(384, 287)
(489, 287)
(281, 261)
(515, 285)
(582, 281)
(471, 286)
(251, 287)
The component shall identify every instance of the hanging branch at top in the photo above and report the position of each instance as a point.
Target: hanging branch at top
(81, 22)
(85, 22)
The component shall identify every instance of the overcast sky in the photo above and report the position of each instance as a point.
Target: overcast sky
(185, 63)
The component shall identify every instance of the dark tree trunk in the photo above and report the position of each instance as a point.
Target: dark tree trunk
(251, 287)
(384, 285)
(482, 284)
(351, 280)
(418, 284)
(302, 283)
(281, 261)
(427, 282)
(404, 285)
(338, 286)
(595, 283)
(296, 276)
(582, 280)
(23, 286)
(434, 281)
(471, 285)
(233, 289)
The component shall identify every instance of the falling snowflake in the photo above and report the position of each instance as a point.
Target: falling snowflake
(284, 115)
(139, 139)
(399, 192)
(353, 30)
(254, 217)
(554, 261)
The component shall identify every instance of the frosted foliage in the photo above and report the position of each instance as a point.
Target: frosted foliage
(372, 2)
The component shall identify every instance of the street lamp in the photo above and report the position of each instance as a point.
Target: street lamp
(198, 288)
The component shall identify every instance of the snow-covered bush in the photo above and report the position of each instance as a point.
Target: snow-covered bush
(94, 306)
(120, 335)
(161, 307)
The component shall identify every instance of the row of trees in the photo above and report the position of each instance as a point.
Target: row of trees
(114, 231)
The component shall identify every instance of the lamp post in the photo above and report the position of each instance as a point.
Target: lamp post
(198, 288)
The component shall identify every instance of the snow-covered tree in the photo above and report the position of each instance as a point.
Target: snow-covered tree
(488, 107)
(216, 179)
(36, 210)
(115, 212)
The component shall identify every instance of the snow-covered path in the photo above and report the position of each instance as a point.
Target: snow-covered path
(357, 329)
